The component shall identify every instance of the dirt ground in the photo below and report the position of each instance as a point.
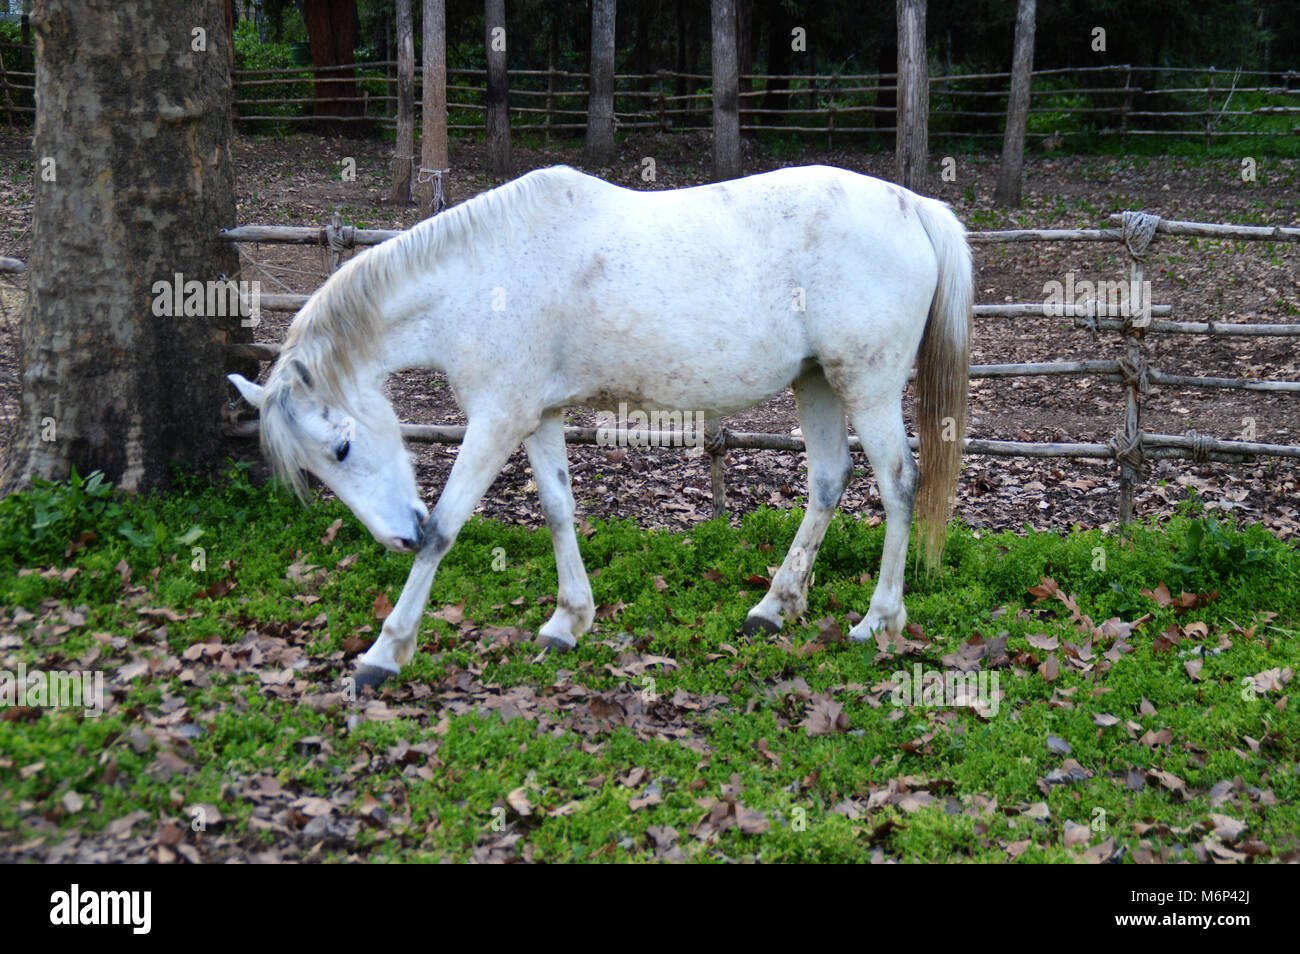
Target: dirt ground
(297, 181)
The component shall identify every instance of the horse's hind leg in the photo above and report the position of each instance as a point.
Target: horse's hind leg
(575, 609)
(884, 438)
(487, 445)
(821, 417)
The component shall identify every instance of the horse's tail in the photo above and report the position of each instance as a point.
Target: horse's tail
(942, 376)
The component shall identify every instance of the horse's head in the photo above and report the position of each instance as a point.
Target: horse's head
(353, 445)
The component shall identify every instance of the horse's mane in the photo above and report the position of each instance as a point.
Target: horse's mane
(337, 333)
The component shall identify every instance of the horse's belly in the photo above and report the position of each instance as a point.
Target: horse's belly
(709, 386)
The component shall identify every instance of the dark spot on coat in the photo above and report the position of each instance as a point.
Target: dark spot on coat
(902, 199)
(828, 489)
(812, 236)
(435, 540)
(594, 270)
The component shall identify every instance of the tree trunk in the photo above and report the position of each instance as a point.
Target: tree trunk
(726, 93)
(404, 151)
(1010, 173)
(600, 88)
(498, 109)
(430, 186)
(134, 178)
(332, 34)
(912, 147)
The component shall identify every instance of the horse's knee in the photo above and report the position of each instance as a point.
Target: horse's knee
(828, 488)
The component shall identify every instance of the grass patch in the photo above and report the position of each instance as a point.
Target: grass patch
(224, 616)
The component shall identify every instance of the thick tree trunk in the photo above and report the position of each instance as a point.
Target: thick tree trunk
(134, 179)
(404, 150)
(911, 150)
(726, 93)
(600, 88)
(498, 107)
(332, 34)
(1010, 173)
(430, 185)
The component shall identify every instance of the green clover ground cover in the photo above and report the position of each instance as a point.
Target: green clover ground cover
(223, 617)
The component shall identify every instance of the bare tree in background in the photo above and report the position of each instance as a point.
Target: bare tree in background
(331, 30)
(726, 93)
(430, 186)
(498, 110)
(600, 88)
(912, 145)
(404, 149)
(1011, 171)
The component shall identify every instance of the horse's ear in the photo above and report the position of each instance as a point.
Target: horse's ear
(301, 370)
(253, 393)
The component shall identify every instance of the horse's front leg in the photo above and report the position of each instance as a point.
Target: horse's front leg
(575, 610)
(483, 452)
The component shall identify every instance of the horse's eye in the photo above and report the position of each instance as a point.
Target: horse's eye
(342, 450)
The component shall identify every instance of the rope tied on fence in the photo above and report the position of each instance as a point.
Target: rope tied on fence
(1139, 230)
(715, 441)
(1135, 373)
(1200, 446)
(338, 238)
(1127, 450)
(439, 202)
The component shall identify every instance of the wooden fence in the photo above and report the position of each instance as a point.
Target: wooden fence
(1133, 319)
(1129, 100)
(1118, 100)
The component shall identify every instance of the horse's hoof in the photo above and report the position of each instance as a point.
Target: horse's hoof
(759, 626)
(555, 644)
(371, 676)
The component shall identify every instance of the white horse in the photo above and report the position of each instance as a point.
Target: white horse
(559, 289)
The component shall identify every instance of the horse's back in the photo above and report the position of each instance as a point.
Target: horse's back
(717, 296)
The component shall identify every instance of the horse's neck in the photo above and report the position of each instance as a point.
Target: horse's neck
(421, 317)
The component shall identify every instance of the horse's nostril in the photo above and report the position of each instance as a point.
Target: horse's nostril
(407, 543)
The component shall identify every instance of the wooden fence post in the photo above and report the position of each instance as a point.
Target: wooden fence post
(1011, 168)
(4, 85)
(830, 114)
(663, 102)
(1139, 230)
(1209, 108)
(433, 137)
(726, 93)
(911, 153)
(600, 85)
(404, 151)
(550, 94)
(499, 164)
(715, 445)
(1128, 103)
